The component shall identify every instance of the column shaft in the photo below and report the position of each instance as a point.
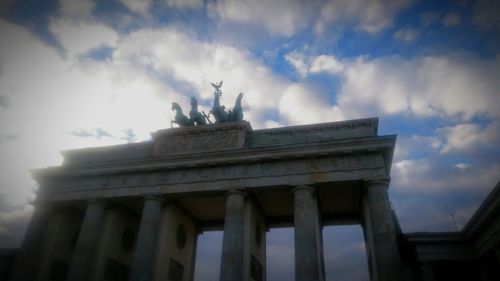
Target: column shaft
(193, 255)
(384, 261)
(81, 265)
(308, 243)
(175, 244)
(232, 243)
(143, 260)
(28, 258)
(254, 242)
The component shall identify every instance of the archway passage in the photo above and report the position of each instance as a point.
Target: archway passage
(208, 254)
(345, 253)
(280, 254)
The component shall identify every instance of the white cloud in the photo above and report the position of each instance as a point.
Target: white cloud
(280, 17)
(424, 145)
(328, 64)
(369, 16)
(175, 53)
(62, 96)
(406, 35)
(451, 19)
(138, 6)
(429, 176)
(296, 59)
(461, 166)
(286, 17)
(183, 4)
(300, 104)
(76, 8)
(469, 136)
(457, 86)
(82, 36)
(306, 65)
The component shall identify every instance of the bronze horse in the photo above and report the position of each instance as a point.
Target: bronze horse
(180, 119)
(218, 111)
(197, 117)
(237, 113)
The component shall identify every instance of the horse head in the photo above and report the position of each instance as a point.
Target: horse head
(176, 107)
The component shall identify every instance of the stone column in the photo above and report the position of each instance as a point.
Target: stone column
(193, 255)
(232, 242)
(116, 245)
(82, 261)
(28, 257)
(175, 246)
(384, 262)
(254, 242)
(61, 233)
(144, 255)
(308, 242)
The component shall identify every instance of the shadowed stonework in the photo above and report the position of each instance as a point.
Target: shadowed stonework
(136, 210)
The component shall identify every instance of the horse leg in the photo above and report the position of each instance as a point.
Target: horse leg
(207, 116)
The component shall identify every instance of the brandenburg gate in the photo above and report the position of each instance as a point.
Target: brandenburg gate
(133, 211)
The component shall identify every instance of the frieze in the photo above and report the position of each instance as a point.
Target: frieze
(214, 142)
(203, 139)
(228, 172)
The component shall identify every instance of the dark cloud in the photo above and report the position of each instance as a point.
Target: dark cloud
(13, 223)
(3, 101)
(450, 170)
(280, 254)
(425, 191)
(8, 137)
(345, 254)
(208, 256)
(418, 212)
(487, 14)
(33, 15)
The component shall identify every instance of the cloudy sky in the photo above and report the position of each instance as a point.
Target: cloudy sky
(77, 73)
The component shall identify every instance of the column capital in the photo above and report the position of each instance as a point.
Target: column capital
(37, 202)
(303, 187)
(236, 191)
(96, 202)
(153, 196)
(45, 205)
(378, 181)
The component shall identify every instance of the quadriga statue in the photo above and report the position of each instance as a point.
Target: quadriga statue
(218, 111)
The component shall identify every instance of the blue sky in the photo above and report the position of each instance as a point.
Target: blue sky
(92, 73)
